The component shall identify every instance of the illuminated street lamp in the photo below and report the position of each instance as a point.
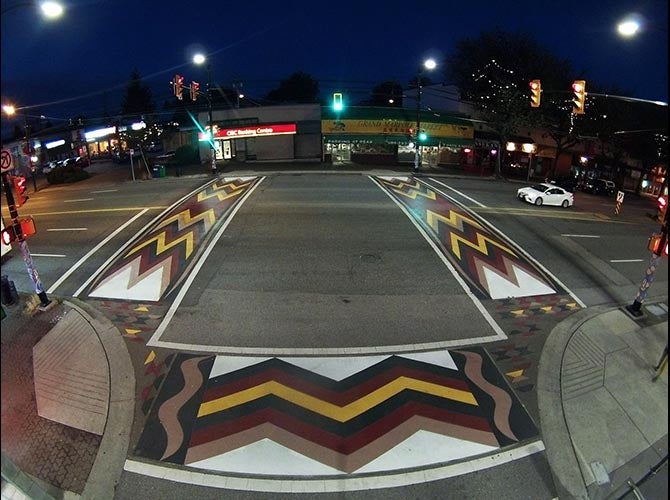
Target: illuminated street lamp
(50, 10)
(634, 24)
(428, 64)
(200, 59)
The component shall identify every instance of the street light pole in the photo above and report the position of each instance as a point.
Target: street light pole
(211, 121)
(417, 147)
(428, 64)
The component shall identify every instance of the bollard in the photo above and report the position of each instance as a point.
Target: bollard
(8, 289)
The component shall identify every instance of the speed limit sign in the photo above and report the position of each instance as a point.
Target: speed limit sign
(6, 161)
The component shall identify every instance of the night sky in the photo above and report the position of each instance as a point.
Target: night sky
(48, 65)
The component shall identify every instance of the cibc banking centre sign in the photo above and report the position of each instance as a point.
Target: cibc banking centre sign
(253, 131)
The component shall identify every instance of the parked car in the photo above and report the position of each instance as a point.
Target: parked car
(599, 186)
(546, 194)
(51, 165)
(567, 183)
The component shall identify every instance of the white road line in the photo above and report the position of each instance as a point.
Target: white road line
(351, 482)
(69, 229)
(500, 334)
(155, 341)
(76, 201)
(92, 251)
(139, 235)
(105, 191)
(580, 236)
(627, 260)
(47, 255)
(459, 193)
(503, 236)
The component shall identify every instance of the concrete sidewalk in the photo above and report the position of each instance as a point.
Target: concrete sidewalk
(603, 419)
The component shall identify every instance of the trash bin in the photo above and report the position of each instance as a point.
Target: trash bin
(155, 172)
(161, 170)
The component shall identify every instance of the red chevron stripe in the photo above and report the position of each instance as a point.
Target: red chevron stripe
(341, 444)
(332, 396)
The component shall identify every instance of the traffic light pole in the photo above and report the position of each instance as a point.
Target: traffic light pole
(649, 274)
(417, 150)
(23, 244)
(211, 121)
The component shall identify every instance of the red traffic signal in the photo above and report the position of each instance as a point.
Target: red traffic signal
(178, 85)
(535, 91)
(195, 86)
(20, 196)
(8, 235)
(579, 97)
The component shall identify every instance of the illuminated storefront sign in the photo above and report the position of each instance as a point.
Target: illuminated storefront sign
(94, 134)
(55, 144)
(390, 126)
(255, 131)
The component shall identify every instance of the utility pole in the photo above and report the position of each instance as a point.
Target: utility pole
(46, 304)
(658, 245)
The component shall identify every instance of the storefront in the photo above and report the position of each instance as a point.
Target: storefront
(276, 133)
(386, 136)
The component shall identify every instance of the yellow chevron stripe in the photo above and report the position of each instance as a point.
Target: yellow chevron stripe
(185, 220)
(414, 192)
(480, 245)
(341, 414)
(219, 191)
(161, 246)
(455, 220)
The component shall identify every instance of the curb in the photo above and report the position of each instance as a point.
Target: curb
(108, 465)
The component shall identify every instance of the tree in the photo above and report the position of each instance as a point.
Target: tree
(493, 72)
(383, 93)
(137, 100)
(297, 88)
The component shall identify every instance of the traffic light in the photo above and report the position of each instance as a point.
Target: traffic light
(579, 98)
(178, 85)
(20, 196)
(535, 90)
(422, 135)
(338, 104)
(195, 86)
(8, 235)
(658, 243)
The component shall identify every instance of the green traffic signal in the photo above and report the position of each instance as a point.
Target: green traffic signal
(338, 105)
(423, 136)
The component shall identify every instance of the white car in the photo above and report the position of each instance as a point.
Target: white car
(546, 194)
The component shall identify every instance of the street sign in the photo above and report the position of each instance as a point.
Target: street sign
(6, 160)
(131, 152)
(619, 202)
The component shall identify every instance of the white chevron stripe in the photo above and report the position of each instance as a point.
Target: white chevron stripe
(126, 284)
(528, 285)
